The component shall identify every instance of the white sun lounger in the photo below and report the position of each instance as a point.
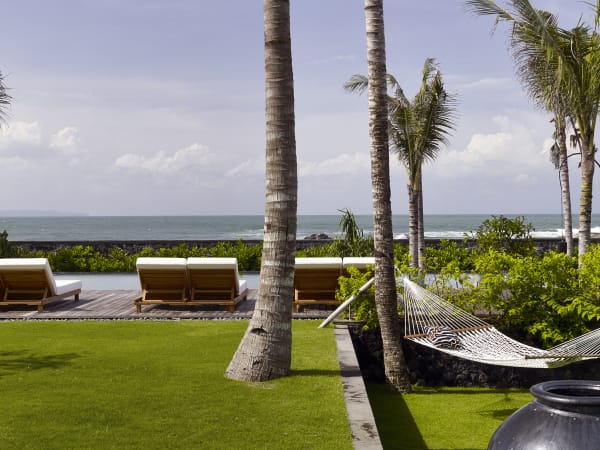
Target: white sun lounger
(30, 281)
(163, 281)
(316, 280)
(360, 262)
(216, 281)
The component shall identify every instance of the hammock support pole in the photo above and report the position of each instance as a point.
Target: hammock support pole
(344, 305)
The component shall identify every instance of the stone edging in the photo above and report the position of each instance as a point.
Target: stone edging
(360, 416)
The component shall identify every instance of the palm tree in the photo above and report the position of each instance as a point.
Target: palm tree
(385, 281)
(417, 130)
(573, 59)
(265, 350)
(4, 99)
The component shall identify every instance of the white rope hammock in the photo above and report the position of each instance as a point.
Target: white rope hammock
(482, 342)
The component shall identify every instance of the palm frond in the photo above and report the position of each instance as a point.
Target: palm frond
(357, 83)
(5, 99)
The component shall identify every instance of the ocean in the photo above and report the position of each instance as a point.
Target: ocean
(91, 228)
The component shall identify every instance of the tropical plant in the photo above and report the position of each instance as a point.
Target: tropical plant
(417, 131)
(352, 242)
(266, 349)
(507, 235)
(396, 372)
(5, 247)
(573, 59)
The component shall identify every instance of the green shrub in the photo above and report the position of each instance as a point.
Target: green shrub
(363, 308)
(5, 247)
(501, 233)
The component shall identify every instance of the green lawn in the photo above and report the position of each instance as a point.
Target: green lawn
(442, 418)
(160, 385)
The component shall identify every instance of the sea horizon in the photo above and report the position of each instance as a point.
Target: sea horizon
(247, 227)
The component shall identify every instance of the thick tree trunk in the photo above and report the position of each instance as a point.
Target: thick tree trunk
(585, 199)
(413, 226)
(385, 283)
(565, 186)
(265, 350)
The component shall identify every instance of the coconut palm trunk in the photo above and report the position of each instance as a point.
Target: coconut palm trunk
(421, 226)
(413, 224)
(565, 187)
(585, 197)
(396, 372)
(265, 350)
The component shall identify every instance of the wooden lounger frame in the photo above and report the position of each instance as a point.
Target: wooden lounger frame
(157, 288)
(29, 287)
(213, 286)
(315, 287)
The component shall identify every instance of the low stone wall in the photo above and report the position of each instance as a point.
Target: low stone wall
(104, 247)
(428, 367)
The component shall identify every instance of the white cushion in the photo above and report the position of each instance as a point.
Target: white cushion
(212, 263)
(319, 263)
(157, 263)
(24, 263)
(360, 262)
(64, 286)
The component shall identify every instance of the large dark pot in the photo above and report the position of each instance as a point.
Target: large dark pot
(565, 415)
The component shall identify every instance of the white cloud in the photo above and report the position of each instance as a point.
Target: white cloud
(515, 153)
(65, 139)
(20, 133)
(196, 155)
(340, 165)
(68, 144)
(248, 167)
(485, 83)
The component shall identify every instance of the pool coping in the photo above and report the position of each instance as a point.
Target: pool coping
(360, 415)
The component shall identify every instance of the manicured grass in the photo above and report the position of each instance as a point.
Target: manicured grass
(161, 385)
(442, 418)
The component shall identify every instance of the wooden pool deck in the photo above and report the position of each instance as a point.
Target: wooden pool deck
(119, 305)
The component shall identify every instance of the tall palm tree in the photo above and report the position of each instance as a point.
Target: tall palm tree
(4, 99)
(265, 350)
(417, 131)
(573, 57)
(385, 281)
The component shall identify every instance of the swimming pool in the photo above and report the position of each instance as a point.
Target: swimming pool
(128, 280)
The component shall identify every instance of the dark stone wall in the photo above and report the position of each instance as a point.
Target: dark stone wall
(104, 247)
(428, 367)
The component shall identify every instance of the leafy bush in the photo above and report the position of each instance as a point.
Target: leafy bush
(5, 247)
(501, 233)
(363, 308)
(249, 256)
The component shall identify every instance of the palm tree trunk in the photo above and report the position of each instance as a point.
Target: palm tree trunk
(413, 225)
(385, 283)
(563, 170)
(421, 225)
(265, 350)
(585, 198)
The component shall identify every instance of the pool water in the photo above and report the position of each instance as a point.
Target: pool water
(127, 281)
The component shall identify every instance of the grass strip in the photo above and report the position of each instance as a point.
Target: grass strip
(160, 385)
(442, 418)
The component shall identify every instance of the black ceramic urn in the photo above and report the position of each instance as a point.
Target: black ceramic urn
(565, 415)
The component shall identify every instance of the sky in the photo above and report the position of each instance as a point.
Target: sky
(156, 107)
